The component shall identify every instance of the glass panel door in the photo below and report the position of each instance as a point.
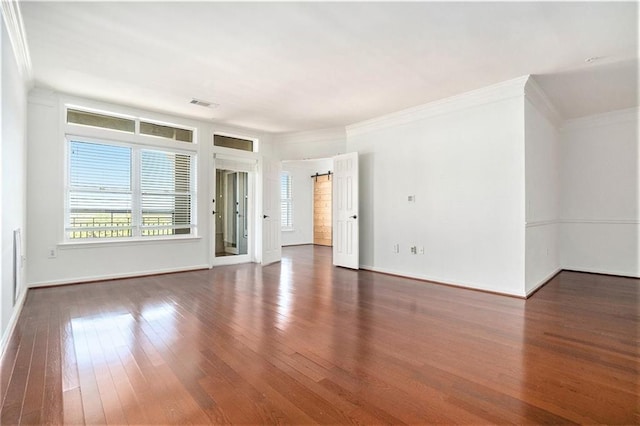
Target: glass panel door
(232, 234)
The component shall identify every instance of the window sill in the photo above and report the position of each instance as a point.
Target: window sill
(288, 230)
(126, 242)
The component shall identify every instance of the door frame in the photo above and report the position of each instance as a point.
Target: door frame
(247, 159)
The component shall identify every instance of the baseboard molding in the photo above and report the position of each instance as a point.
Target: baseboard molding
(602, 272)
(13, 321)
(97, 278)
(439, 281)
(528, 293)
(542, 282)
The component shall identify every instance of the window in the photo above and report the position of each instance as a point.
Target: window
(118, 190)
(286, 203)
(168, 132)
(233, 143)
(93, 119)
(128, 124)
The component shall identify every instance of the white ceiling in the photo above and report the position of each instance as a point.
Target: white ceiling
(283, 67)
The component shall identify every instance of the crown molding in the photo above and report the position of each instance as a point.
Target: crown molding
(15, 27)
(534, 93)
(320, 135)
(494, 93)
(604, 119)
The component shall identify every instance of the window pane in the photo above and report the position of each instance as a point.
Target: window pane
(100, 120)
(93, 165)
(99, 197)
(168, 132)
(233, 143)
(166, 193)
(286, 204)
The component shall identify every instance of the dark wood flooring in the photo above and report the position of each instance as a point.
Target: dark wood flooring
(303, 342)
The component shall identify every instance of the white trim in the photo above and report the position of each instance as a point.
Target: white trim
(602, 221)
(235, 259)
(436, 280)
(331, 133)
(535, 223)
(121, 242)
(13, 321)
(539, 99)
(18, 37)
(494, 93)
(618, 273)
(116, 276)
(543, 281)
(605, 119)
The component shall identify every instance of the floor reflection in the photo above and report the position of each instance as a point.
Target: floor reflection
(285, 296)
(302, 342)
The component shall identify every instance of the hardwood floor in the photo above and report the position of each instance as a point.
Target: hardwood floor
(303, 342)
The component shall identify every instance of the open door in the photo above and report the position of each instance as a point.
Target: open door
(345, 211)
(271, 249)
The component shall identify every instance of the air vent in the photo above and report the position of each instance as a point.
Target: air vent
(202, 103)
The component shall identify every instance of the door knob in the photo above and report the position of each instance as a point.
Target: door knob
(354, 217)
(264, 216)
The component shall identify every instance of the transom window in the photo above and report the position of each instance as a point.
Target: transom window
(128, 124)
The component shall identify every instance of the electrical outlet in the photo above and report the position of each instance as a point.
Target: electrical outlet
(411, 198)
(414, 250)
(396, 248)
(53, 253)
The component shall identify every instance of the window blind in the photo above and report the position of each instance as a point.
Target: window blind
(100, 196)
(124, 191)
(286, 202)
(166, 188)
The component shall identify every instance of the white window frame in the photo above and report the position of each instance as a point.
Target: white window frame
(289, 201)
(137, 142)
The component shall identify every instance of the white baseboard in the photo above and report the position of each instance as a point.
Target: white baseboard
(436, 280)
(543, 281)
(115, 276)
(626, 274)
(13, 321)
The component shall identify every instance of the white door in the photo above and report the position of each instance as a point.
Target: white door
(271, 250)
(345, 211)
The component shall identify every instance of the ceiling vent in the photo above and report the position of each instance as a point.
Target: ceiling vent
(202, 103)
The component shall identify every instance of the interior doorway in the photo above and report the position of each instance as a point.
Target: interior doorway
(233, 207)
(317, 216)
(232, 220)
(322, 207)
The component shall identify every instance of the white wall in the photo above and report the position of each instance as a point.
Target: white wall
(315, 144)
(302, 198)
(82, 262)
(13, 91)
(542, 182)
(463, 160)
(600, 194)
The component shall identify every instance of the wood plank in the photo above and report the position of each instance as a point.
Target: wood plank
(240, 344)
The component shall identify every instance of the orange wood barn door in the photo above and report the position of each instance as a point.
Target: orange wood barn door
(322, 211)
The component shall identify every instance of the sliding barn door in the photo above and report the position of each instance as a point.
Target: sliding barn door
(345, 211)
(271, 249)
(322, 211)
